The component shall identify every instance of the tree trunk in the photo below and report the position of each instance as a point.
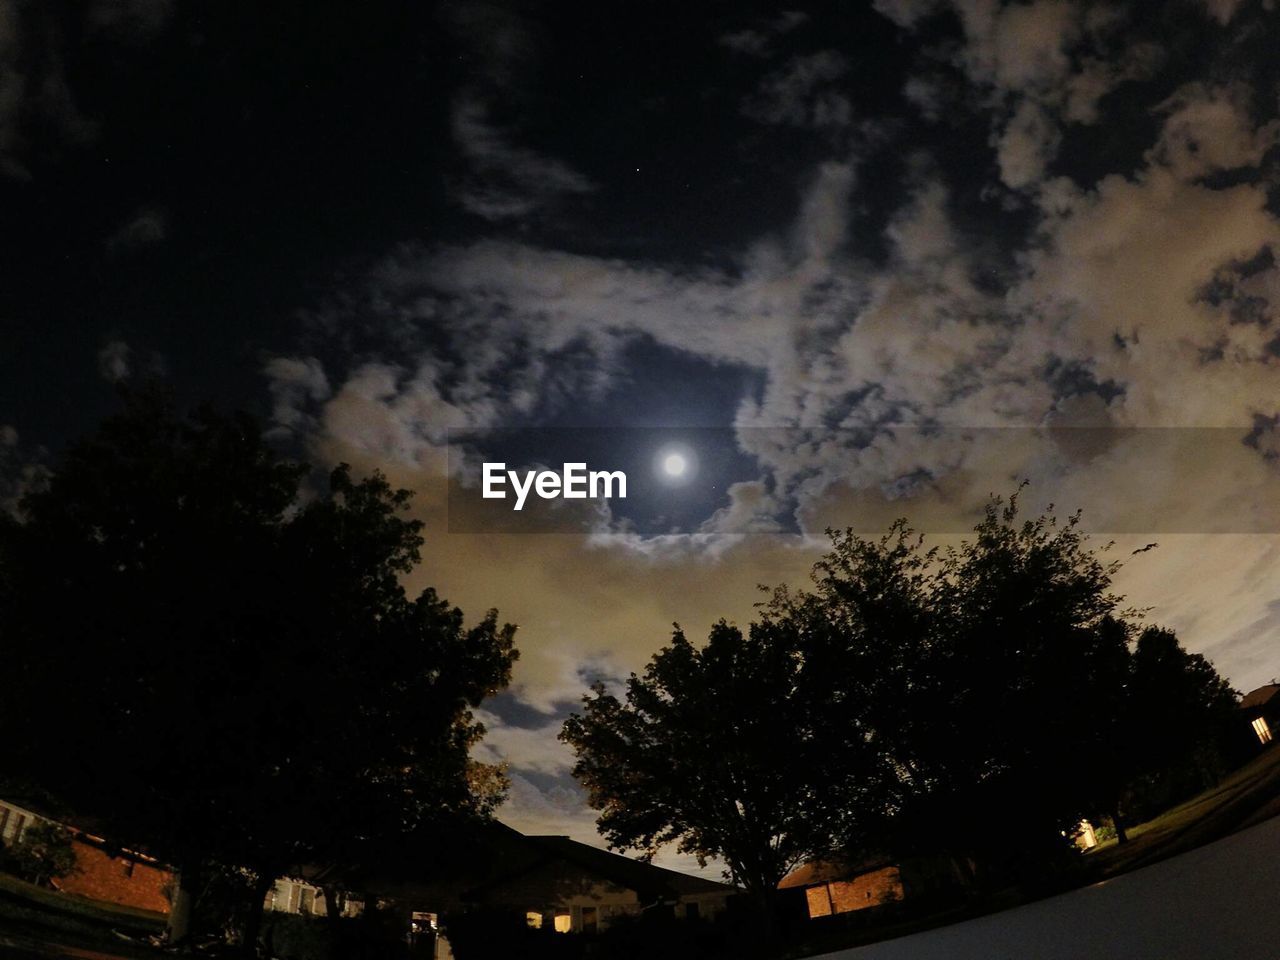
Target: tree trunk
(253, 919)
(769, 918)
(370, 923)
(1118, 823)
(184, 897)
(334, 901)
(964, 871)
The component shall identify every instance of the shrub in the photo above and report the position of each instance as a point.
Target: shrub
(43, 853)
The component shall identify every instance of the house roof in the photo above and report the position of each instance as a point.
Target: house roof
(84, 829)
(478, 860)
(828, 871)
(1260, 697)
(637, 875)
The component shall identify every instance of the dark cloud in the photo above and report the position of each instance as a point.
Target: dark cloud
(757, 40)
(507, 181)
(802, 93)
(144, 227)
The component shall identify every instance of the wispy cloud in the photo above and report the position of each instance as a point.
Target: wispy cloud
(506, 180)
(804, 93)
(146, 226)
(757, 40)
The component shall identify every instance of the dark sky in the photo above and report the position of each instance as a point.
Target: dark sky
(826, 246)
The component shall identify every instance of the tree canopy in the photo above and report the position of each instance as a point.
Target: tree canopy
(713, 748)
(976, 701)
(211, 657)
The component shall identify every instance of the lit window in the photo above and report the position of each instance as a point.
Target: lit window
(534, 920)
(564, 923)
(1262, 730)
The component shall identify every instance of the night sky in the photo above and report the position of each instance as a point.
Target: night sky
(857, 260)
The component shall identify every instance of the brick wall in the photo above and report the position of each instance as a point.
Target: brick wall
(868, 890)
(100, 876)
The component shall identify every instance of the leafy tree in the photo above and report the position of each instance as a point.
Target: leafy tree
(870, 643)
(966, 701)
(1030, 662)
(1179, 715)
(715, 749)
(988, 676)
(214, 661)
(43, 853)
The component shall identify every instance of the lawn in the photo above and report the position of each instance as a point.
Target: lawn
(1245, 797)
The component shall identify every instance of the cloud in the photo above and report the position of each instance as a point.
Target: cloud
(508, 181)
(1121, 306)
(115, 361)
(21, 470)
(531, 749)
(118, 361)
(803, 93)
(40, 113)
(1208, 129)
(296, 384)
(505, 180)
(1016, 47)
(143, 228)
(12, 86)
(1027, 144)
(848, 350)
(1230, 615)
(502, 43)
(137, 19)
(906, 13)
(908, 356)
(558, 811)
(35, 95)
(757, 41)
(931, 95)
(518, 310)
(1032, 67)
(751, 509)
(1222, 10)
(1119, 286)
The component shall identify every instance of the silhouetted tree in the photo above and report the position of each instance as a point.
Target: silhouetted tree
(1029, 661)
(988, 676)
(715, 749)
(959, 701)
(1180, 712)
(209, 660)
(869, 652)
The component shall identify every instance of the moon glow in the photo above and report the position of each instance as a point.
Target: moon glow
(675, 464)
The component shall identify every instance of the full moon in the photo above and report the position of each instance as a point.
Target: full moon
(674, 465)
